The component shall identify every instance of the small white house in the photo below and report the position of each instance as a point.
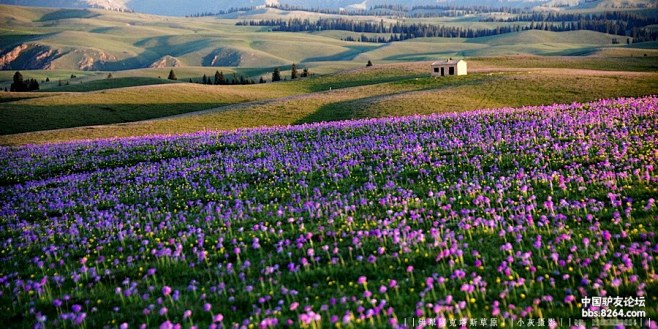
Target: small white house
(449, 67)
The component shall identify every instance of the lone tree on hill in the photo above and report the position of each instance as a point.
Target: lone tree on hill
(19, 85)
(293, 71)
(172, 75)
(276, 75)
(109, 76)
(369, 63)
(305, 73)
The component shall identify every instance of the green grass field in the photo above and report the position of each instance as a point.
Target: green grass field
(536, 208)
(401, 214)
(64, 110)
(525, 68)
(380, 91)
(111, 83)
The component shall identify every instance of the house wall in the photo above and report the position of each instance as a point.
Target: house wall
(460, 69)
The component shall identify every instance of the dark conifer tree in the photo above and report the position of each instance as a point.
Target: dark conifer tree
(276, 75)
(19, 85)
(261, 80)
(293, 71)
(369, 63)
(34, 85)
(172, 75)
(219, 78)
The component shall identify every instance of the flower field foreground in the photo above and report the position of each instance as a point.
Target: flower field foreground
(504, 217)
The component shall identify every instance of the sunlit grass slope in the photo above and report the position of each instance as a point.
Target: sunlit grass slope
(387, 90)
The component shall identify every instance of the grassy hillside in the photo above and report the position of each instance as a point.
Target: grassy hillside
(471, 211)
(111, 83)
(384, 90)
(79, 48)
(118, 105)
(103, 40)
(617, 60)
(65, 110)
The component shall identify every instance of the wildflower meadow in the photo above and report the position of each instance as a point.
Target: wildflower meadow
(494, 218)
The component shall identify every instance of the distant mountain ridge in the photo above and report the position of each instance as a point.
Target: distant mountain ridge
(190, 7)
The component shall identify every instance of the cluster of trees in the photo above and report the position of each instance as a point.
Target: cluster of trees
(396, 10)
(457, 11)
(399, 31)
(342, 24)
(621, 23)
(21, 85)
(329, 11)
(220, 79)
(632, 19)
(221, 12)
(294, 73)
(616, 41)
(403, 11)
(119, 10)
(390, 7)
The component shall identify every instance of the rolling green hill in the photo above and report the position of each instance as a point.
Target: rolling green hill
(92, 39)
(76, 49)
(380, 91)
